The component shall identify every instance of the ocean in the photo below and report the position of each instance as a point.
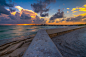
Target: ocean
(13, 31)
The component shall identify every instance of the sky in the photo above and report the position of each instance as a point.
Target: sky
(59, 12)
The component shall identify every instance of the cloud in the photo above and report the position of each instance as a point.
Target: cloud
(3, 4)
(12, 10)
(25, 16)
(22, 14)
(4, 19)
(26, 12)
(59, 14)
(39, 21)
(51, 21)
(21, 17)
(19, 8)
(79, 9)
(67, 11)
(12, 17)
(75, 19)
(17, 15)
(4, 11)
(41, 7)
(68, 8)
(44, 15)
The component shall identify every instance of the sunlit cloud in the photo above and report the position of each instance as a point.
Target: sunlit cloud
(79, 9)
(82, 9)
(79, 16)
(74, 11)
(67, 11)
(68, 8)
(25, 11)
(85, 5)
(22, 16)
(13, 13)
(84, 14)
(19, 8)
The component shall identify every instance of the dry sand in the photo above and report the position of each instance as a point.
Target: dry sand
(72, 44)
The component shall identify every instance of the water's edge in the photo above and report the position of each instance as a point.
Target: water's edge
(6, 41)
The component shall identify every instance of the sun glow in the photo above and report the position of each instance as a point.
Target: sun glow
(20, 24)
(19, 8)
(13, 13)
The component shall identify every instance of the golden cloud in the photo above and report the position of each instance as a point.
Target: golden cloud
(25, 11)
(19, 8)
(84, 14)
(82, 9)
(67, 11)
(79, 9)
(85, 5)
(68, 8)
(13, 13)
(73, 10)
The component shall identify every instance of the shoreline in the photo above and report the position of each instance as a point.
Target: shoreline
(16, 48)
(10, 40)
(20, 44)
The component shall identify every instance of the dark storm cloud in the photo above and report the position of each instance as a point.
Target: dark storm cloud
(25, 16)
(4, 11)
(44, 15)
(12, 10)
(37, 17)
(17, 14)
(36, 7)
(39, 21)
(57, 15)
(4, 19)
(41, 7)
(15, 19)
(12, 17)
(3, 4)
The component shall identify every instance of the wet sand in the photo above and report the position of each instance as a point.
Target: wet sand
(15, 48)
(6, 41)
(72, 44)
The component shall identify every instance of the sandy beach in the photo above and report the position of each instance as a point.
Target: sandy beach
(16, 47)
(72, 44)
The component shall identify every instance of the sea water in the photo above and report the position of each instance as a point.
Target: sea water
(13, 31)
